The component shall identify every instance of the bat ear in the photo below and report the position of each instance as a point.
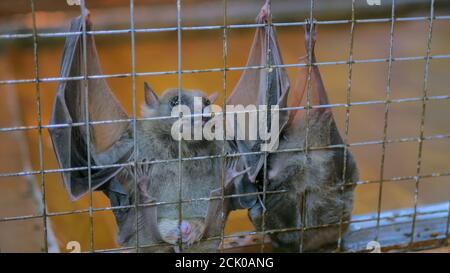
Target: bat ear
(213, 97)
(151, 99)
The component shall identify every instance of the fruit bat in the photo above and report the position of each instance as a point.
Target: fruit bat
(262, 86)
(316, 175)
(123, 162)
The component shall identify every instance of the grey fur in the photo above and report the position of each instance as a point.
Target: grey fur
(199, 177)
(319, 175)
(316, 175)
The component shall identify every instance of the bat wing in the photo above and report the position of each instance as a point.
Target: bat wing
(317, 94)
(261, 87)
(323, 130)
(109, 143)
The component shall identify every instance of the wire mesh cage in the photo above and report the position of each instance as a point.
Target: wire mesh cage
(390, 139)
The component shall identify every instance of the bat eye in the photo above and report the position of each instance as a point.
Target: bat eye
(206, 102)
(173, 101)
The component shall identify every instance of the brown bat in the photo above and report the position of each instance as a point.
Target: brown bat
(261, 87)
(317, 174)
(112, 144)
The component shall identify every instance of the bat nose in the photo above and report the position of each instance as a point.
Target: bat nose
(207, 115)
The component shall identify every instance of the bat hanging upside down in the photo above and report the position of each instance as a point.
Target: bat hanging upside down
(113, 144)
(316, 196)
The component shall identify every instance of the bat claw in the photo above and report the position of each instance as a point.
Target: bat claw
(231, 171)
(310, 33)
(232, 174)
(263, 15)
(143, 181)
(238, 173)
(87, 14)
(303, 59)
(262, 204)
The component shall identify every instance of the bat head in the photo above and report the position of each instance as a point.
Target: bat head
(193, 101)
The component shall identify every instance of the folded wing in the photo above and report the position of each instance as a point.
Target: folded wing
(261, 86)
(108, 143)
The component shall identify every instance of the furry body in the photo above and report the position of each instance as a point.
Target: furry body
(199, 177)
(319, 175)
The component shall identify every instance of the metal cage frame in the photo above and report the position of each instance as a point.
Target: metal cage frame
(370, 226)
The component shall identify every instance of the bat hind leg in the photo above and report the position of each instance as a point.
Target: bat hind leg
(310, 34)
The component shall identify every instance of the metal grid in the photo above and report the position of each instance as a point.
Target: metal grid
(37, 80)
